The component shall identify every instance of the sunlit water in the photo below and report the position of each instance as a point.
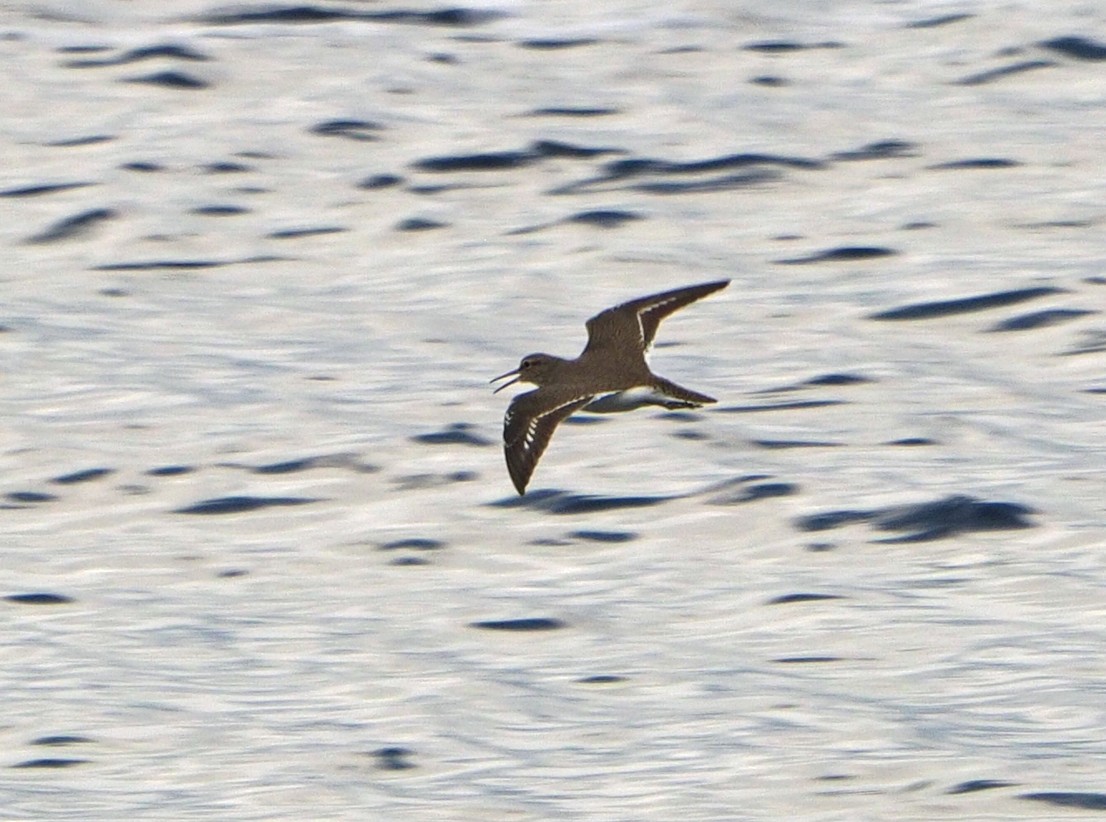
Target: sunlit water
(261, 554)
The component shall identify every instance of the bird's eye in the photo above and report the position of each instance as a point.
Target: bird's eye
(527, 363)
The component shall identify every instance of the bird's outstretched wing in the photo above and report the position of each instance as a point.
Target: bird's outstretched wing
(529, 424)
(640, 318)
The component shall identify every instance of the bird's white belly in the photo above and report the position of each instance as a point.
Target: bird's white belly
(627, 400)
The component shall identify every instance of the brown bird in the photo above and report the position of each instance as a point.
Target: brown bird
(610, 375)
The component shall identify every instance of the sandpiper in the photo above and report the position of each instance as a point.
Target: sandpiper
(611, 374)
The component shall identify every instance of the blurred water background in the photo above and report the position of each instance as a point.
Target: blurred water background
(261, 558)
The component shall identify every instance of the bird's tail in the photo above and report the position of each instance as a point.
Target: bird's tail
(681, 397)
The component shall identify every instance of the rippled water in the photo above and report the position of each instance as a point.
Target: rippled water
(262, 558)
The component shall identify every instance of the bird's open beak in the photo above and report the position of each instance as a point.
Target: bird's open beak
(503, 377)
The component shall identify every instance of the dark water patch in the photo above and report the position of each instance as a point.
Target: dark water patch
(788, 46)
(783, 445)
(394, 758)
(413, 544)
(572, 111)
(225, 167)
(408, 561)
(807, 660)
(819, 547)
(913, 442)
(219, 210)
(87, 475)
(601, 679)
(169, 51)
(831, 519)
(880, 150)
(766, 490)
(1040, 319)
(459, 433)
(42, 188)
(288, 466)
(977, 785)
(77, 142)
(927, 521)
(521, 625)
(419, 224)
(769, 81)
(241, 504)
(169, 470)
(848, 253)
(982, 78)
(791, 599)
(935, 22)
(160, 265)
(604, 536)
(799, 405)
(1061, 224)
(143, 167)
(169, 79)
(300, 233)
(1081, 48)
(975, 163)
(750, 169)
(360, 130)
(586, 419)
(70, 228)
(604, 218)
(965, 305)
(680, 416)
(511, 159)
(742, 479)
(726, 182)
(59, 740)
(280, 14)
(39, 598)
(145, 53)
(918, 225)
(300, 14)
(375, 181)
(559, 148)
(232, 573)
(563, 502)
(1069, 799)
(438, 188)
(412, 482)
(695, 436)
(636, 167)
(554, 44)
(738, 492)
(295, 466)
(49, 762)
(486, 161)
(838, 379)
(29, 497)
(83, 49)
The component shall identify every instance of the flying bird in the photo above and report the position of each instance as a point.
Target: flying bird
(610, 375)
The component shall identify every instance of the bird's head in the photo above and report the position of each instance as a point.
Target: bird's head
(534, 368)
